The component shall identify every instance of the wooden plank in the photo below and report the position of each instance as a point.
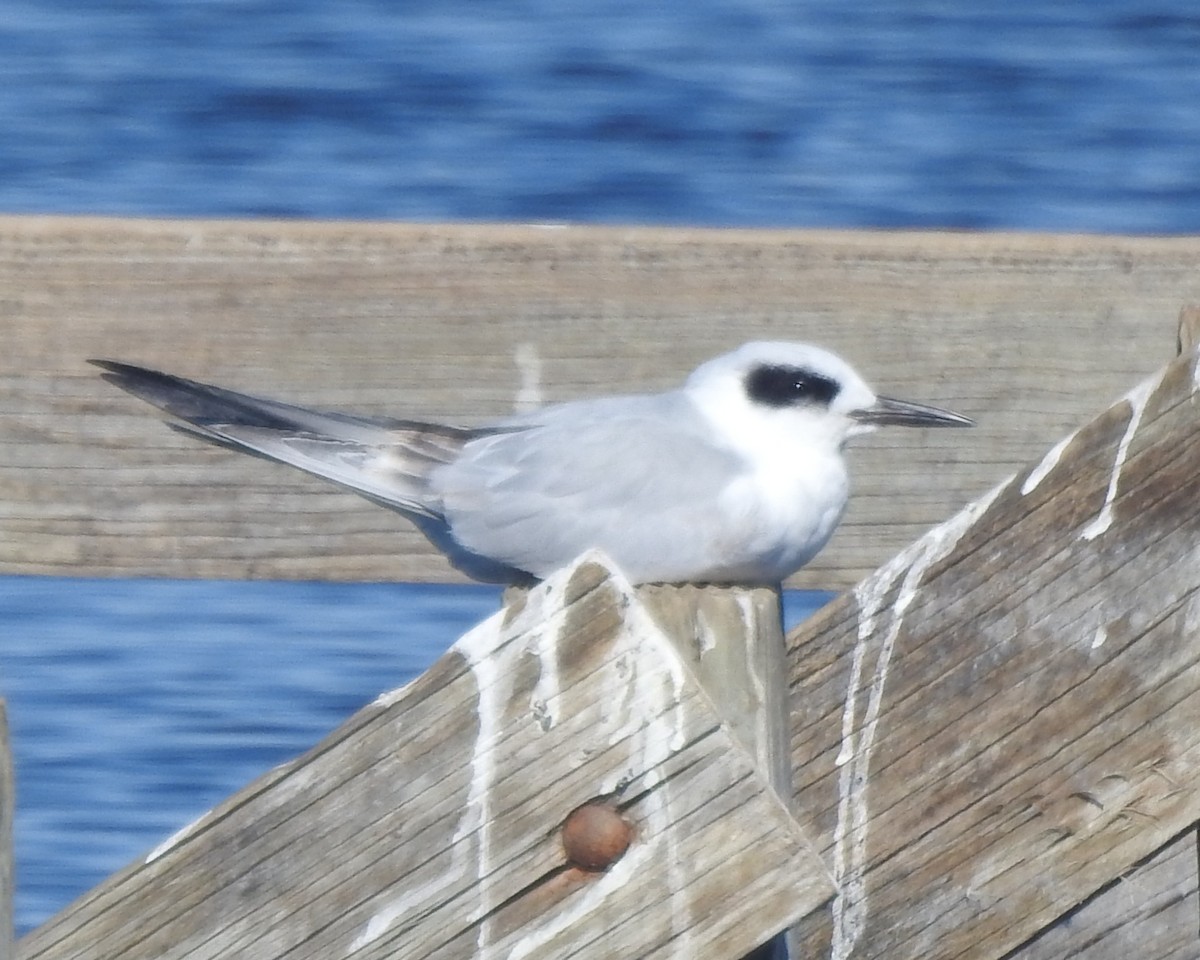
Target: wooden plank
(1029, 334)
(1005, 718)
(7, 804)
(1150, 912)
(429, 824)
(732, 639)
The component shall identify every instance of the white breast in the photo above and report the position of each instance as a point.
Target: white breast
(779, 515)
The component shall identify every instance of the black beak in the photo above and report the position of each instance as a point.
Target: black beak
(903, 413)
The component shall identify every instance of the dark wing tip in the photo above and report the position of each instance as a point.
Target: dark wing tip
(123, 375)
(124, 369)
(116, 371)
(177, 396)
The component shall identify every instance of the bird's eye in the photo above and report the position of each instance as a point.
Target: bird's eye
(790, 386)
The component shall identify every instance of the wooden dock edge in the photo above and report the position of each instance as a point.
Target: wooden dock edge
(431, 824)
(1027, 333)
(1001, 724)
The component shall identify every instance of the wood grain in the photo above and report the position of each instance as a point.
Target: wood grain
(428, 824)
(1151, 912)
(732, 639)
(1005, 718)
(1029, 334)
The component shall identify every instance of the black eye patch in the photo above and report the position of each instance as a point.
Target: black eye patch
(790, 386)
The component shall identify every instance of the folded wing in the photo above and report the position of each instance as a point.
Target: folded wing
(385, 460)
(636, 477)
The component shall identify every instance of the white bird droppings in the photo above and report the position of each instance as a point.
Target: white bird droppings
(546, 690)
(529, 365)
(854, 758)
(377, 926)
(1137, 398)
(478, 646)
(1049, 462)
(648, 717)
(174, 839)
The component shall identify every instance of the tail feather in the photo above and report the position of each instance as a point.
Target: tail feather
(385, 460)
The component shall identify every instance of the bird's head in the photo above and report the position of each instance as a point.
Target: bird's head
(803, 390)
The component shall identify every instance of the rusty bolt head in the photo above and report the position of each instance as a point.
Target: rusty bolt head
(595, 836)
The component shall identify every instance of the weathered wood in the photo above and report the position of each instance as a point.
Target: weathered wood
(733, 641)
(1148, 913)
(1189, 328)
(1005, 718)
(428, 825)
(7, 803)
(1027, 333)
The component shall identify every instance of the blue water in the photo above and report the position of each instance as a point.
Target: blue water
(136, 706)
(953, 113)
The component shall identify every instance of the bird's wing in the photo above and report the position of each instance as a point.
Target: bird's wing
(387, 461)
(637, 477)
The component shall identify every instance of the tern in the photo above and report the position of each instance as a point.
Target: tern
(737, 476)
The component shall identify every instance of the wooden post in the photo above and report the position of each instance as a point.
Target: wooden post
(1188, 335)
(557, 785)
(732, 638)
(7, 804)
(1001, 722)
(1149, 913)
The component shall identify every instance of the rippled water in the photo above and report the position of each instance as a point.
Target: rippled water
(950, 113)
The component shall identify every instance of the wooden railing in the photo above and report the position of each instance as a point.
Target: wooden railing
(1028, 334)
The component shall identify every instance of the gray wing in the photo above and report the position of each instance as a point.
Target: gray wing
(387, 461)
(633, 476)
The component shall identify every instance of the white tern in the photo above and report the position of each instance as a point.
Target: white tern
(736, 476)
